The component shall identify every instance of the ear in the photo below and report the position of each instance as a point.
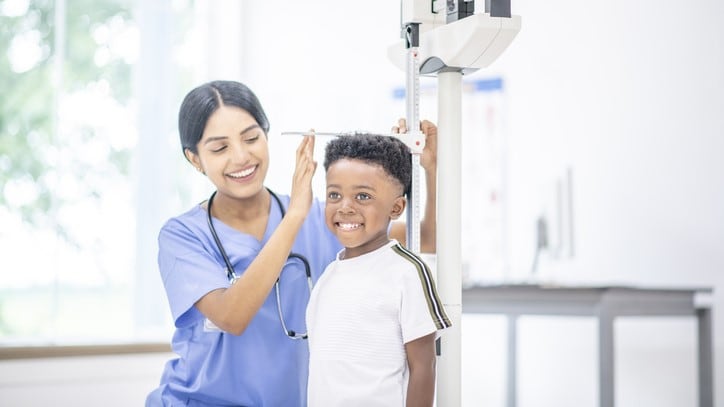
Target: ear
(194, 160)
(398, 207)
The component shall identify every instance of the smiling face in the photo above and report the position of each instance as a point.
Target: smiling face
(362, 199)
(233, 153)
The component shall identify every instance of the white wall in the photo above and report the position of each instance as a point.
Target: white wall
(110, 381)
(630, 95)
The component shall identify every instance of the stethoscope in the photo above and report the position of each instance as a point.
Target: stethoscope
(233, 277)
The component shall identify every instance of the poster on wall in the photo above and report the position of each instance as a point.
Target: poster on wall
(483, 163)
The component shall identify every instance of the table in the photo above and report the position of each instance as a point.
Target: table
(605, 303)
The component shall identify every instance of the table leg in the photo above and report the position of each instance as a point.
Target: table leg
(512, 390)
(706, 358)
(605, 360)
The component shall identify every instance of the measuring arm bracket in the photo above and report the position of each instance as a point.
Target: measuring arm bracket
(415, 140)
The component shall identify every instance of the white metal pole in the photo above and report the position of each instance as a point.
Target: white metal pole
(449, 264)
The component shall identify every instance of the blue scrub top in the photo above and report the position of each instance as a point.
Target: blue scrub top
(261, 367)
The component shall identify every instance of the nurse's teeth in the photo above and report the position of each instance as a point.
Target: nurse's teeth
(242, 174)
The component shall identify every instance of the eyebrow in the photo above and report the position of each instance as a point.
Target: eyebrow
(353, 187)
(212, 139)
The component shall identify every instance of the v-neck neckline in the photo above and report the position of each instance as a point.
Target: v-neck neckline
(273, 218)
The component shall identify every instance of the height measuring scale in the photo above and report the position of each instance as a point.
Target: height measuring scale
(414, 138)
(449, 48)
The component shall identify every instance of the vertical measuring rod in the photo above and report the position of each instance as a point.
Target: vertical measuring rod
(412, 95)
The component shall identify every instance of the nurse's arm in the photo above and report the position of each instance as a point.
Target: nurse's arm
(232, 309)
(428, 223)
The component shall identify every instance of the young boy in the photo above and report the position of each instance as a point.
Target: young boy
(373, 315)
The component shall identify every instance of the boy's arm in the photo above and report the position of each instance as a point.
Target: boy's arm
(421, 361)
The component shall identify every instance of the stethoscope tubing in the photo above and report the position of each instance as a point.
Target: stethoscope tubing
(231, 275)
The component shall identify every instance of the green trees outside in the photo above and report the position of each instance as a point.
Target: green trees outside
(66, 136)
(42, 63)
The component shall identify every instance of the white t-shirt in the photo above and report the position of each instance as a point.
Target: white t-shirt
(361, 313)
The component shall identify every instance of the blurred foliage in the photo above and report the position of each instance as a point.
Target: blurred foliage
(4, 328)
(29, 150)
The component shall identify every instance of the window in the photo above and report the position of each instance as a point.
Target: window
(87, 110)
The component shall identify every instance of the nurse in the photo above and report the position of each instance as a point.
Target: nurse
(238, 267)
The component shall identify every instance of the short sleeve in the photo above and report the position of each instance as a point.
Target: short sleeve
(188, 271)
(422, 312)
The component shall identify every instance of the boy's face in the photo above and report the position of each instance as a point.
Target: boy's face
(361, 200)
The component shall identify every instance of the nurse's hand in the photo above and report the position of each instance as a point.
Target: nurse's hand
(428, 160)
(301, 195)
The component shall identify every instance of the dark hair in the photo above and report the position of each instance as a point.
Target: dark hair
(388, 152)
(203, 101)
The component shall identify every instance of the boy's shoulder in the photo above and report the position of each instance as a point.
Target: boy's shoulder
(401, 253)
(402, 256)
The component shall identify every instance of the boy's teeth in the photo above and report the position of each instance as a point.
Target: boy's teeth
(349, 226)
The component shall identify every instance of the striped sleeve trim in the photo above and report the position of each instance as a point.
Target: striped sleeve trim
(434, 305)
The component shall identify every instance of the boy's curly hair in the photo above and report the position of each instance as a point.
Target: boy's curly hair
(390, 153)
